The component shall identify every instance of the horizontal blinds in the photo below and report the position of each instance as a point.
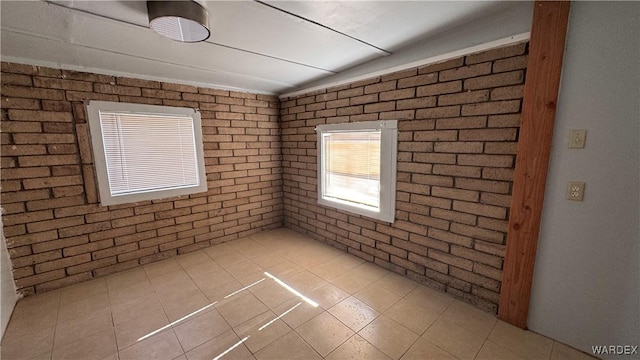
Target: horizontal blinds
(352, 166)
(148, 152)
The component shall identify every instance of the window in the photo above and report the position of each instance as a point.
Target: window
(145, 152)
(357, 167)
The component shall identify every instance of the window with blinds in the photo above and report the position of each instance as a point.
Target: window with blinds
(146, 152)
(352, 167)
(357, 165)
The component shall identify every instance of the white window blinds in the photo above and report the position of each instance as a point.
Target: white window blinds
(147, 152)
(357, 167)
(352, 167)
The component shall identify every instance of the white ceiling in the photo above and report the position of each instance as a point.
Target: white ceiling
(259, 46)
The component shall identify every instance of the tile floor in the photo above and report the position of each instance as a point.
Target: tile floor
(275, 295)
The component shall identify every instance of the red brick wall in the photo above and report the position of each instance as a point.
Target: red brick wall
(458, 128)
(57, 232)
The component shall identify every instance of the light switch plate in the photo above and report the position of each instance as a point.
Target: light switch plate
(577, 139)
(575, 190)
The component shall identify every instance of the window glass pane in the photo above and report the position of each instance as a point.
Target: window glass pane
(352, 166)
(148, 152)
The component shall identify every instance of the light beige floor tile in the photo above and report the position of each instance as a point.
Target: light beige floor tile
(470, 318)
(328, 270)
(429, 299)
(241, 308)
(175, 283)
(36, 342)
(83, 307)
(309, 259)
(83, 290)
(137, 307)
(193, 259)
(130, 291)
(327, 295)
(225, 257)
(336, 266)
(271, 293)
(524, 343)
(369, 271)
(212, 279)
(164, 346)
(377, 297)
(303, 281)
(493, 351)
(203, 269)
(397, 284)
(324, 333)
(246, 272)
(347, 261)
(183, 304)
(268, 260)
(354, 313)
(411, 316)
(357, 348)
(125, 278)
(97, 346)
(292, 252)
(43, 356)
(47, 302)
(298, 315)
(131, 331)
(162, 267)
(262, 330)
(228, 342)
(73, 330)
(220, 292)
(350, 282)
(77, 322)
(561, 351)
(284, 268)
(454, 339)
(111, 357)
(196, 331)
(388, 336)
(425, 349)
(253, 249)
(34, 313)
(290, 347)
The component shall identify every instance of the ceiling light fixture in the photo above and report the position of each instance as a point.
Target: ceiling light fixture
(185, 21)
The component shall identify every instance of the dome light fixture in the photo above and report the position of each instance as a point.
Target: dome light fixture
(184, 21)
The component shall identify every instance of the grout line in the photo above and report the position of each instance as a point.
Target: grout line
(55, 325)
(279, 316)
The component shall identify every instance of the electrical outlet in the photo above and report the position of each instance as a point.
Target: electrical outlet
(575, 191)
(577, 138)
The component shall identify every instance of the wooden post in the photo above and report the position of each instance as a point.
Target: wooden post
(546, 49)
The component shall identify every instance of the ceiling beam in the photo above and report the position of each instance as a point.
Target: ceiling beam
(546, 51)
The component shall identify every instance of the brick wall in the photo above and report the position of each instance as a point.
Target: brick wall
(57, 232)
(458, 129)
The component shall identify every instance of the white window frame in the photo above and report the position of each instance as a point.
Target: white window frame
(93, 109)
(388, 165)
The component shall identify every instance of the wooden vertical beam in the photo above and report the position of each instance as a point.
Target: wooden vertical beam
(546, 50)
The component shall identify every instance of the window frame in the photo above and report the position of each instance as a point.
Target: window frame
(93, 109)
(388, 167)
